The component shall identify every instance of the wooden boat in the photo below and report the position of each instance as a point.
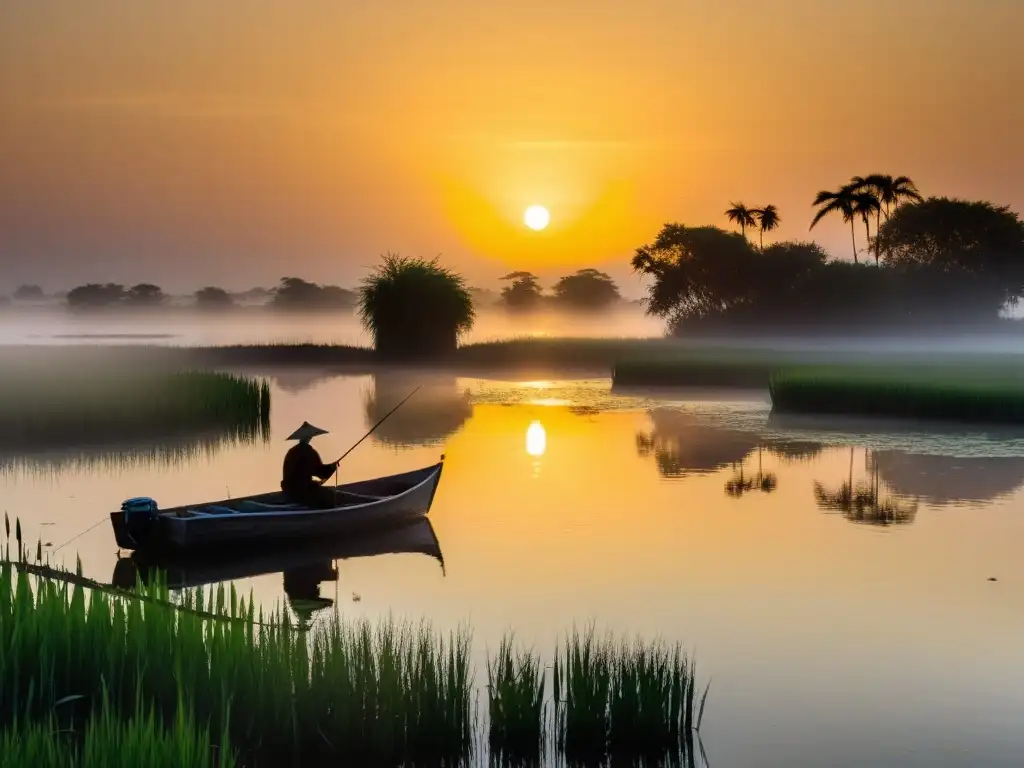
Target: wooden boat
(269, 518)
(415, 536)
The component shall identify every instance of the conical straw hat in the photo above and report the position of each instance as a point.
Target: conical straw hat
(306, 431)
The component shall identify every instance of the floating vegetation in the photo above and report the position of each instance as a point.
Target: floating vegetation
(95, 406)
(919, 392)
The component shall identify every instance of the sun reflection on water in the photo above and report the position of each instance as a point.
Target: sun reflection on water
(536, 439)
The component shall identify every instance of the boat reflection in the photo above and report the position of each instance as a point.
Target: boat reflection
(682, 445)
(437, 412)
(304, 567)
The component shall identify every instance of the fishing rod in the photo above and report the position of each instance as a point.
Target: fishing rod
(374, 427)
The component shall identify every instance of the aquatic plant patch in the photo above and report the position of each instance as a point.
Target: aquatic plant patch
(101, 406)
(977, 394)
(387, 693)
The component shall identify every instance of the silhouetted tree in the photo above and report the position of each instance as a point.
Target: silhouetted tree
(842, 202)
(949, 234)
(29, 293)
(586, 289)
(768, 219)
(95, 295)
(297, 294)
(484, 297)
(866, 205)
(144, 295)
(704, 276)
(415, 308)
(891, 192)
(211, 297)
(696, 272)
(523, 291)
(740, 214)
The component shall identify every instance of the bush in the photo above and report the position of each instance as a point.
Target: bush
(415, 308)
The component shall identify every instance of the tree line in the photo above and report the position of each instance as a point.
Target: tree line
(587, 289)
(937, 261)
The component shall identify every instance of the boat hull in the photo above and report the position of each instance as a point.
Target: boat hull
(414, 536)
(400, 498)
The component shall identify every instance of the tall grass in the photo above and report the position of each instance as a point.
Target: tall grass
(390, 694)
(108, 740)
(415, 308)
(101, 406)
(73, 652)
(909, 392)
(516, 706)
(624, 700)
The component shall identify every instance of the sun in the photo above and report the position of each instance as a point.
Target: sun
(536, 217)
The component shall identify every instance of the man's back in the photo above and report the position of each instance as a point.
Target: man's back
(300, 464)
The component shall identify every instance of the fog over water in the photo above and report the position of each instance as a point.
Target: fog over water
(258, 325)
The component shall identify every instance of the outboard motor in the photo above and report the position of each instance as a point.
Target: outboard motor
(140, 517)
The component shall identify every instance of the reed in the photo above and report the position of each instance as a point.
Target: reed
(101, 406)
(385, 694)
(392, 694)
(921, 392)
(138, 741)
(627, 701)
(516, 705)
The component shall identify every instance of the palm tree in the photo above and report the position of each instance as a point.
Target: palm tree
(844, 202)
(740, 214)
(891, 191)
(768, 219)
(866, 205)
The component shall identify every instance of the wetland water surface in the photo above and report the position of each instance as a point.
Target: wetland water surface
(832, 580)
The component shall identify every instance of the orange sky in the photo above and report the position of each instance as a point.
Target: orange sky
(235, 141)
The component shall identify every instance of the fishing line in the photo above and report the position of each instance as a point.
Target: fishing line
(98, 522)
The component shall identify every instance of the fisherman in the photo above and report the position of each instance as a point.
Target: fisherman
(301, 464)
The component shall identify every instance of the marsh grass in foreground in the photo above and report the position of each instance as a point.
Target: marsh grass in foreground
(138, 741)
(96, 406)
(977, 394)
(73, 652)
(518, 716)
(625, 700)
(388, 694)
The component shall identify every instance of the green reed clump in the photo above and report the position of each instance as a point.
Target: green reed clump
(515, 689)
(108, 740)
(914, 392)
(97, 406)
(626, 700)
(281, 694)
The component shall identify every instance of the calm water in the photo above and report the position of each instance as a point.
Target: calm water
(869, 635)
